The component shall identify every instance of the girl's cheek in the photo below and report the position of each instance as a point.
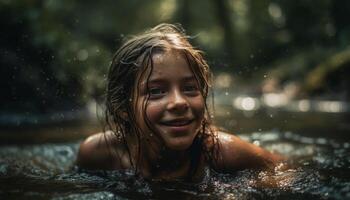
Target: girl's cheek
(198, 105)
(199, 112)
(154, 110)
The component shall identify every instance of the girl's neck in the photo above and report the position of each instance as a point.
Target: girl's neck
(160, 161)
(158, 153)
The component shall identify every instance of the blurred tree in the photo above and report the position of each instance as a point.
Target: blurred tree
(223, 16)
(54, 54)
(182, 15)
(340, 26)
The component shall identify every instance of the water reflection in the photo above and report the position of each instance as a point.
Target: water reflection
(275, 99)
(318, 170)
(281, 101)
(304, 105)
(246, 103)
(331, 106)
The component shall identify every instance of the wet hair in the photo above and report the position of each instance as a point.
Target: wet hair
(133, 61)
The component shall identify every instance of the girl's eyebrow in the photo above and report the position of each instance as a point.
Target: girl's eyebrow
(189, 78)
(185, 78)
(144, 83)
(162, 80)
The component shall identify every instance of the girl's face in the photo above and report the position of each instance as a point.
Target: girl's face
(175, 108)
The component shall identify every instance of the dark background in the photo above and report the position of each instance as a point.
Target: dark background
(54, 55)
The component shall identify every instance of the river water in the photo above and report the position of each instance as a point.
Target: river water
(318, 164)
(319, 169)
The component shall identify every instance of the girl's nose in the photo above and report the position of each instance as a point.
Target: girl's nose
(177, 102)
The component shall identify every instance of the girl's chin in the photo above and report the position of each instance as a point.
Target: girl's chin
(180, 144)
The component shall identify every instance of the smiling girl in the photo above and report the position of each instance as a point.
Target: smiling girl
(158, 120)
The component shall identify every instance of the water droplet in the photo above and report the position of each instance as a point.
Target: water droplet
(265, 76)
(226, 93)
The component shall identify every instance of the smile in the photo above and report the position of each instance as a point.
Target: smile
(178, 123)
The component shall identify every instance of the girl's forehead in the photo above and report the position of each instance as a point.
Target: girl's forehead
(165, 63)
(168, 56)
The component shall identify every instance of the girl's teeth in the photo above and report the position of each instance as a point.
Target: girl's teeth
(178, 123)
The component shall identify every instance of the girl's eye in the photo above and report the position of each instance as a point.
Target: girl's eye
(190, 88)
(156, 91)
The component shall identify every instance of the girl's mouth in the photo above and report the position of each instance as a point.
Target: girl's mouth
(177, 123)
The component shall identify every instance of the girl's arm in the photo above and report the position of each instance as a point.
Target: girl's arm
(100, 151)
(93, 153)
(236, 154)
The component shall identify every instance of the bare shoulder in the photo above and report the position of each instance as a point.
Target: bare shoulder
(236, 154)
(101, 151)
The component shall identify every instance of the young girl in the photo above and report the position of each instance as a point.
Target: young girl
(158, 120)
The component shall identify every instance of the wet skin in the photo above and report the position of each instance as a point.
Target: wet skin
(174, 110)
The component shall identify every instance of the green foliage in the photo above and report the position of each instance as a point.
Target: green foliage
(56, 53)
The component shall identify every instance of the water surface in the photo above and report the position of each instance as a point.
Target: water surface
(319, 169)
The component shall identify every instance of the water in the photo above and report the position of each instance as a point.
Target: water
(318, 169)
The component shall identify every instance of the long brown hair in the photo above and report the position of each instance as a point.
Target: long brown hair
(134, 60)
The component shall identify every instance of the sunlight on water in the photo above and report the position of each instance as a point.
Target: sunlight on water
(275, 99)
(246, 103)
(330, 106)
(304, 105)
(280, 101)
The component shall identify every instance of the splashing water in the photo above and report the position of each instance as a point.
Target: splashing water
(318, 168)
